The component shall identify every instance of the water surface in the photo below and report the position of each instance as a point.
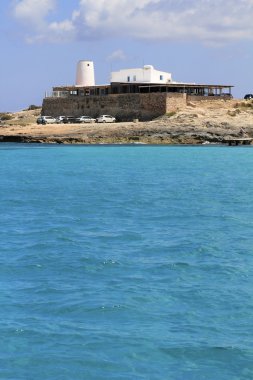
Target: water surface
(126, 262)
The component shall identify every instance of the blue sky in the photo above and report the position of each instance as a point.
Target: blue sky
(201, 41)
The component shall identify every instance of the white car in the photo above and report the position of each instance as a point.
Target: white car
(60, 118)
(86, 119)
(46, 120)
(106, 119)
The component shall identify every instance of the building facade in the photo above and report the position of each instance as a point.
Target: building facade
(146, 74)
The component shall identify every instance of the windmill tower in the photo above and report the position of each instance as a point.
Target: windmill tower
(85, 75)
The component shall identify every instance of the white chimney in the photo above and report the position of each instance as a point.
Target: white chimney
(85, 74)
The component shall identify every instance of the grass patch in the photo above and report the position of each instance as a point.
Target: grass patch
(171, 113)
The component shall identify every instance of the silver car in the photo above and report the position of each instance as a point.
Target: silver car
(106, 119)
(86, 119)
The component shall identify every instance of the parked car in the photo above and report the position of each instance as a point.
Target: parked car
(70, 119)
(86, 119)
(106, 119)
(46, 120)
(59, 119)
(40, 120)
(248, 96)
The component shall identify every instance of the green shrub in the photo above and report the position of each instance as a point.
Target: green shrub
(33, 107)
(5, 116)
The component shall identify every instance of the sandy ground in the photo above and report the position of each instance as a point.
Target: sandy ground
(198, 123)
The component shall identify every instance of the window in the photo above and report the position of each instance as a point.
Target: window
(128, 78)
(161, 77)
(134, 78)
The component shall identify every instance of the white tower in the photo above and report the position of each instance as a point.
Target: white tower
(85, 74)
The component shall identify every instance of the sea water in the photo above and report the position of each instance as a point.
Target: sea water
(126, 262)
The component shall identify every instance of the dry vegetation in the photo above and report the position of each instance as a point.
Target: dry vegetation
(22, 118)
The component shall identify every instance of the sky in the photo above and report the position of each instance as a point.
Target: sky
(200, 41)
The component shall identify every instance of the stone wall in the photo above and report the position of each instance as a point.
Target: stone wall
(198, 98)
(123, 106)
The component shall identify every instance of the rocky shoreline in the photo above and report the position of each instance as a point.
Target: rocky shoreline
(208, 122)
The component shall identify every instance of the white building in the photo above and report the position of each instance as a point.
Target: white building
(147, 74)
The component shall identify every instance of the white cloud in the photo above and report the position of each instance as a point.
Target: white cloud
(117, 55)
(211, 21)
(33, 11)
(33, 15)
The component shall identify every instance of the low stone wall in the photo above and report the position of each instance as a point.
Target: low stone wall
(198, 98)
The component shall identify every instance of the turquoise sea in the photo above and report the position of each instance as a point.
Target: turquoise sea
(126, 262)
